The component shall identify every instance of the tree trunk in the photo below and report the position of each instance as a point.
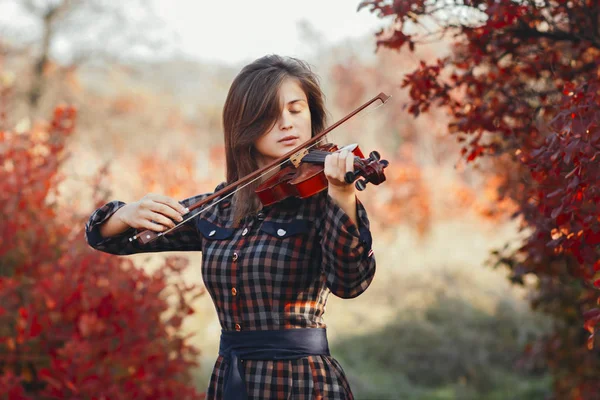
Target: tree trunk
(37, 86)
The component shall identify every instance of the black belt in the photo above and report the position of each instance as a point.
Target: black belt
(287, 344)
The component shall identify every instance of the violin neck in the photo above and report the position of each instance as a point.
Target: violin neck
(317, 157)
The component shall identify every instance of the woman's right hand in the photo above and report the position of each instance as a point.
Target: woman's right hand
(154, 212)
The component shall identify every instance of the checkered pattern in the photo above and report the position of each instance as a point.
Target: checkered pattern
(274, 271)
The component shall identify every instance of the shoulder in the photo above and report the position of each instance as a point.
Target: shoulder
(214, 210)
(220, 186)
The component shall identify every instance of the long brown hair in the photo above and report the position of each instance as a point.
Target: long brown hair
(252, 108)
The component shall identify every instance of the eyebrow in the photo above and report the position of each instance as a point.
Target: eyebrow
(295, 101)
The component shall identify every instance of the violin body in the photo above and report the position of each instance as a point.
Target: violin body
(302, 182)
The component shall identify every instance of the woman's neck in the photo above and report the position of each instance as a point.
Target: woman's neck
(261, 164)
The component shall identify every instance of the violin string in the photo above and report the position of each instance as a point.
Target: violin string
(319, 153)
(218, 201)
(258, 177)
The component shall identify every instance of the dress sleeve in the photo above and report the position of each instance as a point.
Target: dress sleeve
(184, 238)
(348, 261)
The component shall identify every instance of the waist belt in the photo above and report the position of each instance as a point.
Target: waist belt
(287, 344)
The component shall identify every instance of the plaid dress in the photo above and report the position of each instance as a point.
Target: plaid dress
(274, 271)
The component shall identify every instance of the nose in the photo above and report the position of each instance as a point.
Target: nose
(285, 122)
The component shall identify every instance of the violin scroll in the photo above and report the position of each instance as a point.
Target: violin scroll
(370, 169)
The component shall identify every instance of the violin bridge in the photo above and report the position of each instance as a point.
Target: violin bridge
(297, 157)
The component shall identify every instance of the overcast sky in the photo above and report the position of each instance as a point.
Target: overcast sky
(240, 30)
(231, 31)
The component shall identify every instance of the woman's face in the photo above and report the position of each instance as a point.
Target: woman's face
(292, 128)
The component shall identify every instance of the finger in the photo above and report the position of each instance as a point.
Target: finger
(350, 163)
(330, 164)
(174, 204)
(341, 164)
(166, 210)
(162, 220)
(158, 218)
(147, 224)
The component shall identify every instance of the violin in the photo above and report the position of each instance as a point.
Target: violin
(306, 178)
(301, 174)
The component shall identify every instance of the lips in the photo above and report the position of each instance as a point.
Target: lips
(288, 138)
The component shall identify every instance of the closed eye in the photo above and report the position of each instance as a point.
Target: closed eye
(296, 110)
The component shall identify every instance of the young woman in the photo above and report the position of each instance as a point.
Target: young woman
(269, 270)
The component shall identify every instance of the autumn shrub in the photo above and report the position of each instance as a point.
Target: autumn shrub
(74, 322)
(520, 87)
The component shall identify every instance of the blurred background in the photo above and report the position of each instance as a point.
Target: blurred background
(148, 81)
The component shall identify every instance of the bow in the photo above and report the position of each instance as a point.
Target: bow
(148, 236)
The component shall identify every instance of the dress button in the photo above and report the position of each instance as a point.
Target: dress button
(244, 231)
(212, 233)
(233, 291)
(281, 232)
(238, 327)
(260, 216)
(235, 256)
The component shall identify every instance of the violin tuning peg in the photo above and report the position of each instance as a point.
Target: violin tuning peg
(350, 176)
(361, 184)
(374, 155)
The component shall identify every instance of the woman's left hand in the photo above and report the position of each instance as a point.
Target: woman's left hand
(336, 166)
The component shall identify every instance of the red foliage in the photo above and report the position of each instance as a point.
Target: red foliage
(522, 86)
(76, 323)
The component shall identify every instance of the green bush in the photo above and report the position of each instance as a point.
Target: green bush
(448, 350)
